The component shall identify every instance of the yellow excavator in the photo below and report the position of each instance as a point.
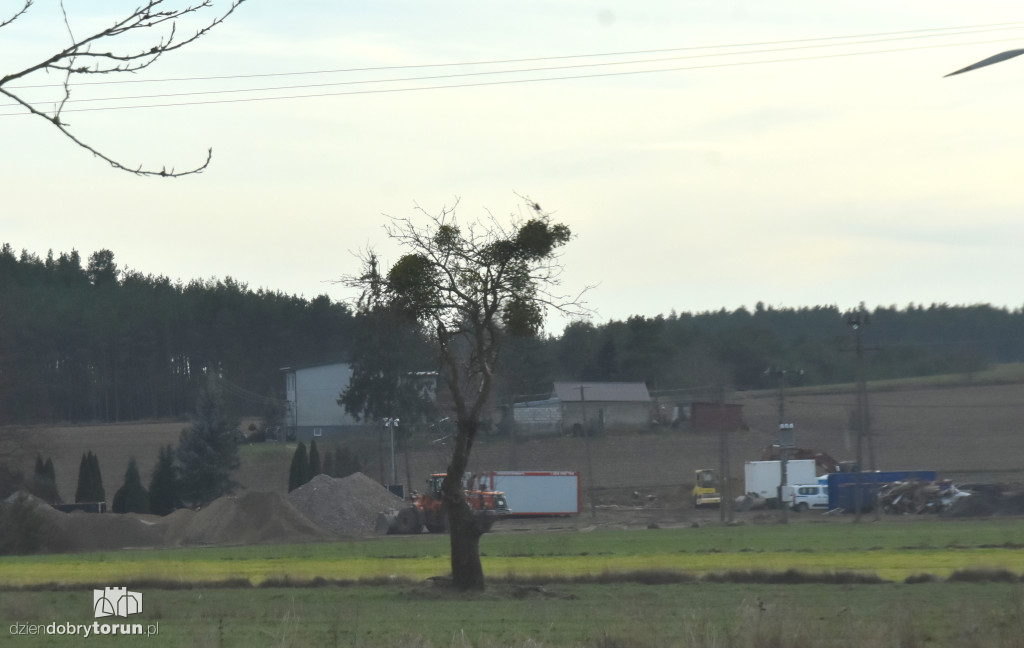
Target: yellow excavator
(705, 488)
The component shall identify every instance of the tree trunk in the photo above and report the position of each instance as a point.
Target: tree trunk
(467, 572)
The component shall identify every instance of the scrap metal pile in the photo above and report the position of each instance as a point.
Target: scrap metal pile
(913, 497)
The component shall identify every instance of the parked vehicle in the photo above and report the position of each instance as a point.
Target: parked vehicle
(763, 478)
(805, 497)
(705, 488)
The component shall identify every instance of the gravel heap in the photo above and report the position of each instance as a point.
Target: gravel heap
(251, 518)
(346, 506)
(321, 510)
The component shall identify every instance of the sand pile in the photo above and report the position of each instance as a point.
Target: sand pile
(346, 506)
(252, 518)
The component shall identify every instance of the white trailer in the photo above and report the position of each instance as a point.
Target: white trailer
(536, 493)
(764, 477)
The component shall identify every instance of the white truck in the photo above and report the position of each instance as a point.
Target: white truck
(537, 492)
(764, 477)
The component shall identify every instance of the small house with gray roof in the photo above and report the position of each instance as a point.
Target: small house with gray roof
(594, 406)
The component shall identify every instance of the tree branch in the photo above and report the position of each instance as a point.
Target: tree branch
(150, 15)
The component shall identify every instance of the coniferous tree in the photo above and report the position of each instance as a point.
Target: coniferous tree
(315, 467)
(345, 462)
(208, 450)
(163, 486)
(90, 481)
(298, 473)
(132, 496)
(44, 481)
(96, 480)
(10, 481)
(328, 463)
(82, 488)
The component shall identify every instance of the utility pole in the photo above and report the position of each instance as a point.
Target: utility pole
(513, 458)
(391, 424)
(857, 321)
(586, 443)
(785, 443)
(405, 446)
(783, 449)
(725, 504)
(782, 395)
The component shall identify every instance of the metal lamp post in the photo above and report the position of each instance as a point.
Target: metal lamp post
(786, 442)
(392, 423)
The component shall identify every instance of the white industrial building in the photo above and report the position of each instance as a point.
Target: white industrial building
(312, 394)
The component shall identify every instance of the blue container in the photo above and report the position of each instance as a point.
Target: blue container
(842, 487)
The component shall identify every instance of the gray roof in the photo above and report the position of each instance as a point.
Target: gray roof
(569, 392)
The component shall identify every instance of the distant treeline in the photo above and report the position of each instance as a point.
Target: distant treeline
(94, 343)
(746, 349)
(89, 342)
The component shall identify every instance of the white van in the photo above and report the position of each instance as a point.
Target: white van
(804, 497)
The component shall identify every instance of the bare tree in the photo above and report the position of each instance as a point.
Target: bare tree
(468, 287)
(115, 49)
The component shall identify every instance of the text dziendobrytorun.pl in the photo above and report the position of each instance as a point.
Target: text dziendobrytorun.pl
(85, 629)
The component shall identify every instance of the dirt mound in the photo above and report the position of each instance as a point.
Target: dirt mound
(100, 532)
(252, 518)
(346, 506)
(79, 531)
(53, 523)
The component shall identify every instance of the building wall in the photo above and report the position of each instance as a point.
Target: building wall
(313, 397)
(606, 414)
(327, 434)
(537, 418)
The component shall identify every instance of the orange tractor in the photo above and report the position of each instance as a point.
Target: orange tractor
(428, 509)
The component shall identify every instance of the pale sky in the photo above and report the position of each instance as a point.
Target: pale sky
(788, 174)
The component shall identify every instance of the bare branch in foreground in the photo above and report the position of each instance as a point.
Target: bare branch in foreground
(105, 52)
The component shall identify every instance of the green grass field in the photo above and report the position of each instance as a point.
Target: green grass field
(556, 589)
(893, 550)
(624, 614)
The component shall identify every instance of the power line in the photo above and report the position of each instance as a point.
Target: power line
(485, 83)
(247, 395)
(465, 74)
(504, 82)
(922, 33)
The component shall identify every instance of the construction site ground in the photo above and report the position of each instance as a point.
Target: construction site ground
(630, 478)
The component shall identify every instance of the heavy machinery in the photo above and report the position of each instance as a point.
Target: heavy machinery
(428, 510)
(705, 488)
(824, 462)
